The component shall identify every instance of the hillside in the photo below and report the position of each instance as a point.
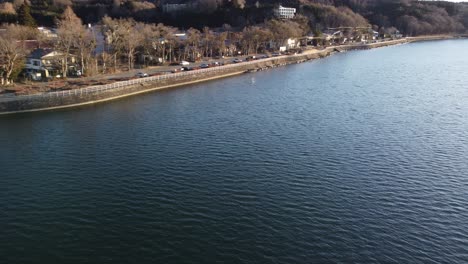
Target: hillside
(410, 17)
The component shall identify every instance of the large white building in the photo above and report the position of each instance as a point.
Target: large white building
(285, 12)
(171, 8)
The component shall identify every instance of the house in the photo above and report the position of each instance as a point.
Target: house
(397, 34)
(287, 44)
(375, 35)
(284, 12)
(45, 63)
(48, 32)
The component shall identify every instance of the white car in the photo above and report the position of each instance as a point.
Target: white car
(184, 63)
(142, 74)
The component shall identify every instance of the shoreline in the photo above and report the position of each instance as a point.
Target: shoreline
(93, 95)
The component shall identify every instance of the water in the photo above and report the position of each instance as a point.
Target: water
(357, 158)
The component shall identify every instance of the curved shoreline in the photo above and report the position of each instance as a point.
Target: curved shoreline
(85, 96)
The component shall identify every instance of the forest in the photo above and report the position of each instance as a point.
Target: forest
(410, 17)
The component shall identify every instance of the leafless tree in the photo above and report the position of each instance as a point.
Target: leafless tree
(12, 54)
(7, 8)
(68, 32)
(86, 45)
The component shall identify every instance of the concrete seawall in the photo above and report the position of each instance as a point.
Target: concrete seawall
(72, 98)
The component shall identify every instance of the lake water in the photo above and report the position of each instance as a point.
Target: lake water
(361, 157)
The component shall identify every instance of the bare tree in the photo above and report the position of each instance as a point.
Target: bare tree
(12, 54)
(123, 37)
(85, 44)
(112, 39)
(7, 8)
(151, 42)
(68, 31)
(131, 38)
(220, 43)
(193, 42)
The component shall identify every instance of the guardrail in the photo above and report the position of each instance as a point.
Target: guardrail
(128, 83)
(124, 84)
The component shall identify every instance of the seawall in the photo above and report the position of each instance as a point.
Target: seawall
(91, 95)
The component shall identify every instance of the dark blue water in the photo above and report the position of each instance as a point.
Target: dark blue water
(361, 157)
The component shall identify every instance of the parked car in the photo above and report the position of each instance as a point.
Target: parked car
(264, 57)
(204, 66)
(184, 63)
(237, 60)
(276, 54)
(249, 58)
(215, 63)
(142, 74)
(186, 68)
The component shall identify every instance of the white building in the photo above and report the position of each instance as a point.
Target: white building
(48, 32)
(285, 12)
(171, 8)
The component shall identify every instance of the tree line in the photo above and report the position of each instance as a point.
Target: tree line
(410, 16)
(126, 40)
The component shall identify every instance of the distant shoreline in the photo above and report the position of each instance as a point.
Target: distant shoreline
(91, 95)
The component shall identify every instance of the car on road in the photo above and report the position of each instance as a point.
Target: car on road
(177, 70)
(264, 57)
(204, 66)
(276, 54)
(142, 74)
(184, 63)
(237, 60)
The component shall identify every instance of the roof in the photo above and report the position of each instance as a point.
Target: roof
(39, 53)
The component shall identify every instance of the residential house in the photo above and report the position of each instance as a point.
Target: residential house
(46, 63)
(48, 32)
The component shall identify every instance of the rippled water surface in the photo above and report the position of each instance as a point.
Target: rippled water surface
(361, 157)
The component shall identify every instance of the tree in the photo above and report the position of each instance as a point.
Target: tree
(283, 30)
(193, 42)
(151, 42)
(220, 43)
(123, 36)
(7, 8)
(24, 16)
(110, 29)
(208, 40)
(253, 38)
(239, 3)
(69, 28)
(86, 44)
(12, 54)
(131, 39)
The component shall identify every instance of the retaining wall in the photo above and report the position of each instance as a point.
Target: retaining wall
(89, 95)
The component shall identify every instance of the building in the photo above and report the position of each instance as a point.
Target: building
(285, 12)
(48, 32)
(44, 63)
(172, 8)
